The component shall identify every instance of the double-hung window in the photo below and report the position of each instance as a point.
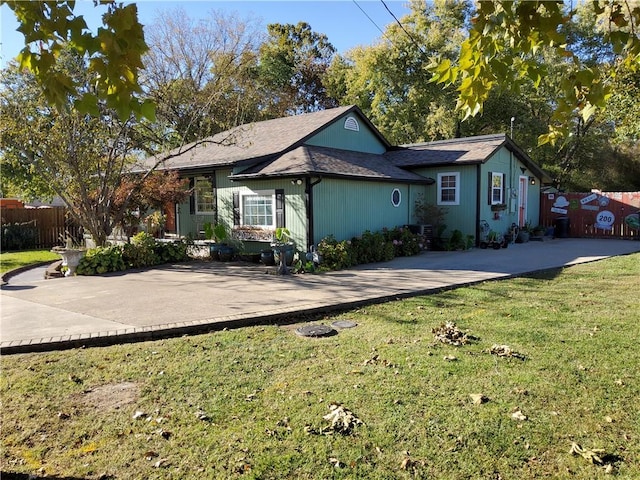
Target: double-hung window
(497, 188)
(258, 209)
(204, 196)
(449, 188)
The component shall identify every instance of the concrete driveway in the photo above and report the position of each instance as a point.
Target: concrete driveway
(195, 297)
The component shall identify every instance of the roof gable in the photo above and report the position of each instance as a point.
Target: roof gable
(255, 142)
(351, 132)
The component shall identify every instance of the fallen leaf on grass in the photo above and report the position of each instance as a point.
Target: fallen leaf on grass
(518, 415)
(478, 398)
(150, 455)
(592, 455)
(202, 416)
(63, 416)
(342, 420)
(506, 351)
(336, 463)
(139, 414)
(376, 360)
(449, 333)
(450, 358)
(161, 463)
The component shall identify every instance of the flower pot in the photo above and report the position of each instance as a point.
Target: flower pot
(214, 249)
(267, 258)
(70, 258)
(523, 237)
(225, 253)
(287, 251)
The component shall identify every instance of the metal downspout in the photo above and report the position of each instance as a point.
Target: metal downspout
(308, 202)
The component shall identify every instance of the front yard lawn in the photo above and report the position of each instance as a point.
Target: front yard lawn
(11, 260)
(249, 403)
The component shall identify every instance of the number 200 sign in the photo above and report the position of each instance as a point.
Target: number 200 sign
(605, 220)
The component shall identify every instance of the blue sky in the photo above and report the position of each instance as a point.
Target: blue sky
(343, 21)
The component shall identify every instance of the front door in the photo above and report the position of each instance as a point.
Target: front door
(522, 200)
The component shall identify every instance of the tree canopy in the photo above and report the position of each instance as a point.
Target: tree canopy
(114, 51)
(507, 40)
(564, 78)
(84, 159)
(292, 64)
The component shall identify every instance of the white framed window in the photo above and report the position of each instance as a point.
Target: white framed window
(396, 197)
(258, 209)
(497, 188)
(449, 188)
(204, 196)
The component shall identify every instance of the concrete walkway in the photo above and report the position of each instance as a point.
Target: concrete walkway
(39, 315)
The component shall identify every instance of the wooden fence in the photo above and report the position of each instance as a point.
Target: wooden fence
(597, 215)
(52, 223)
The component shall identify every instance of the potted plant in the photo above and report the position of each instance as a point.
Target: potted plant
(537, 233)
(524, 234)
(208, 236)
(283, 249)
(225, 251)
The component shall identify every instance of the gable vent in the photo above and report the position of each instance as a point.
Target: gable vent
(351, 124)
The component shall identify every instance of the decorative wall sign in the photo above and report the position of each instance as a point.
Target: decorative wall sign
(604, 220)
(589, 198)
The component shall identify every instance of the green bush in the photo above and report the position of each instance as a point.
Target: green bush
(335, 255)
(142, 252)
(102, 260)
(367, 248)
(19, 236)
(171, 252)
(371, 247)
(405, 243)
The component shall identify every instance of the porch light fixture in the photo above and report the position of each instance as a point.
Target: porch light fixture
(296, 181)
(532, 180)
(523, 169)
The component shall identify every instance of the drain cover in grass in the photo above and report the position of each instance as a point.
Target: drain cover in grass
(343, 324)
(315, 331)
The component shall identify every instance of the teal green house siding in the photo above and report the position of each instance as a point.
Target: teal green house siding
(505, 162)
(336, 136)
(475, 203)
(463, 215)
(345, 209)
(295, 216)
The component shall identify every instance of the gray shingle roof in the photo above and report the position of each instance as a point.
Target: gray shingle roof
(445, 152)
(331, 162)
(252, 141)
(459, 151)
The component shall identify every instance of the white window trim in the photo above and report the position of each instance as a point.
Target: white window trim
(197, 203)
(251, 193)
(457, 189)
(399, 197)
(502, 189)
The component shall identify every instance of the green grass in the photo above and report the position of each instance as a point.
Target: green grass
(11, 260)
(258, 388)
